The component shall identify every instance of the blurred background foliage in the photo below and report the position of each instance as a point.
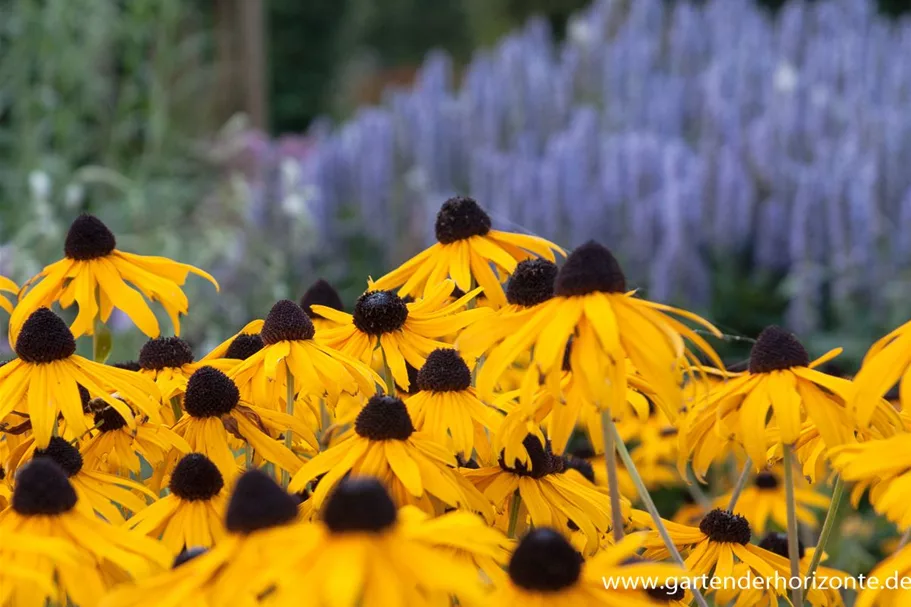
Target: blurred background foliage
(140, 111)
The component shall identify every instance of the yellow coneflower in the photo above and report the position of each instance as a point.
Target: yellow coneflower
(290, 353)
(263, 537)
(169, 362)
(387, 559)
(404, 332)
(551, 498)
(415, 469)
(192, 515)
(780, 392)
(607, 326)
(546, 570)
(45, 380)
(465, 250)
(886, 363)
(764, 501)
(829, 594)
(213, 407)
(321, 293)
(884, 465)
(94, 275)
(448, 410)
(97, 491)
(117, 449)
(46, 505)
(241, 345)
(716, 546)
(7, 286)
(896, 566)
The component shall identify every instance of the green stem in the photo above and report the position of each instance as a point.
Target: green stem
(387, 374)
(613, 482)
(650, 504)
(175, 407)
(699, 496)
(101, 341)
(793, 540)
(741, 483)
(289, 409)
(514, 514)
(827, 526)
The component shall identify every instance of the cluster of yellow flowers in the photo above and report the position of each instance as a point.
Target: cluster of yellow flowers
(451, 441)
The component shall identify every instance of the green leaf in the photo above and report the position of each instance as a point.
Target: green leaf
(102, 342)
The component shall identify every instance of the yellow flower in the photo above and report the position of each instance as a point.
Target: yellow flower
(896, 566)
(46, 506)
(403, 331)
(169, 362)
(466, 249)
(289, 346)
(192, 515)
(7, 286)
(105, 494)
(366, 554)
(553, 499)
(764, 500)
(884, 465)
(117, 449)
(384, 444)
(446, 407)
(886, 362)
(45, 380)
(263, 536)
(607, 326)
(213, 407)
(94, 275)
(772, 402)
(546, 570)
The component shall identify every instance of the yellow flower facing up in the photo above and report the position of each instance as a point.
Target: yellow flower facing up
(552, 498)
(263, 537)
(764, 501)
(193, 514)
(781, 391)
(7, 286)
(415, 469)
(447, 409)
(45, 380)
(45, 505)
(318, 370)
(94, 275)
(366, 554)
(214, 410)
(402, 331)
(607, 326)
(106, 495)
(546, 571)
(468, 252)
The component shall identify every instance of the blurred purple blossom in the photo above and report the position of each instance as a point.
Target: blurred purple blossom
(668, 131)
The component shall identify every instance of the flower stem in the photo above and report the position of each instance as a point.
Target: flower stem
(175, 407)
(903, 541)
(649, 503)
(698, 495)
(793, 540)
(827, 526)
(514, 514)
(613, 482)
(741, 483)
(387, 375)
(102, 341)
(289, 409)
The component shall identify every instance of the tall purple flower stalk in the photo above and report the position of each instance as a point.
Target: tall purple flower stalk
(674, 132)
